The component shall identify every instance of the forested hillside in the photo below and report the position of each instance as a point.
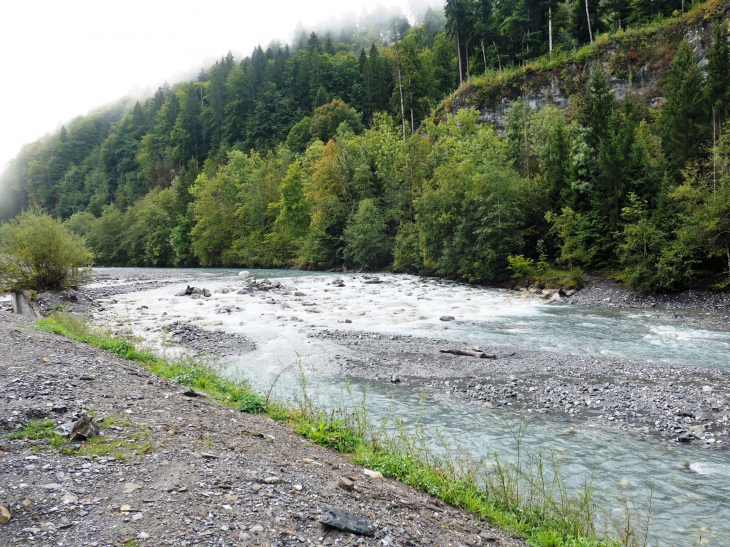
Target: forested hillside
(347, 148)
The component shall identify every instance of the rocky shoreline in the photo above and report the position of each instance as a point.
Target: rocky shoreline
(603, 292)
(181, 470)
(676, 403)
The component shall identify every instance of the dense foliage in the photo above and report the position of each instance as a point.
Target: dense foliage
(322, 153)
(38, 252)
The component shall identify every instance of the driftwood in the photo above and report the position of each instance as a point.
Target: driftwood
(469, 353)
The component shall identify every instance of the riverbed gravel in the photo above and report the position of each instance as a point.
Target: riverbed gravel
(182, 471)
(676, 403)
(604, 292)
(203, 342)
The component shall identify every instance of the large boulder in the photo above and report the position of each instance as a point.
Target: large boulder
(23, 304)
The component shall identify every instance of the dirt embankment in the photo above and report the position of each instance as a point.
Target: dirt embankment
(180, 470)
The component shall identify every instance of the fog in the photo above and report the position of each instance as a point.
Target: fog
(63, 59)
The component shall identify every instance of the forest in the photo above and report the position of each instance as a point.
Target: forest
(327, 153)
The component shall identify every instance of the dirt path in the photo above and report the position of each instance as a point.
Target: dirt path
(190, 473)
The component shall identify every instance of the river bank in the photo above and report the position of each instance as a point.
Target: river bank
(677, 403)
(188, 472)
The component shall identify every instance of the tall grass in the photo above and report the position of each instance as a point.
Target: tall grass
(528, 495)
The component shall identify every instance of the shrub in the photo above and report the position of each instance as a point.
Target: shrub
(521, 266)
(38, 252)
(251, 404)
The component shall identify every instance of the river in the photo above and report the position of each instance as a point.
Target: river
(690, 483)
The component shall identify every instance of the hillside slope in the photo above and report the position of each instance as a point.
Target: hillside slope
(636, 60)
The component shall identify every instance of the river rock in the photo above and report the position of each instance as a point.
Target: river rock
(447, 318)
(84, 428)
(347, 522)
(346, 483)
(4, 515)
(23, 304)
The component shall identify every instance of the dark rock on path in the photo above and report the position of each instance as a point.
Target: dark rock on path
(347, 522)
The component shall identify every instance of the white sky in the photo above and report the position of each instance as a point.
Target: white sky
(62, 58)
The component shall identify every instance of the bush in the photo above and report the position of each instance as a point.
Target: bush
(521, 266)
(251, 404)
(38, 252)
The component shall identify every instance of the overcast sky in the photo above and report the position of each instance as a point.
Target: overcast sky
(62, 58)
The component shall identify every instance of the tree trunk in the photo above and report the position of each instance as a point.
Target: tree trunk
(410, 103)
(588, 20)
(469, 353)
(400, 89)
(525, 111)
(499, 57)
(484, 56)
(466, 54)
(550, 27)
(458, 51)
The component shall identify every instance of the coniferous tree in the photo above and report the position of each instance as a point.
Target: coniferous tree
(683, 121)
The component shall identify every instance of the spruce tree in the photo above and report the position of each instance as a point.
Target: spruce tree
(683, 121)
(597, 109)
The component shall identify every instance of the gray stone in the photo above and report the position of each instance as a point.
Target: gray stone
(84, 428)
(23, 304)
(346, 483)
(447, 318)
(347, 522)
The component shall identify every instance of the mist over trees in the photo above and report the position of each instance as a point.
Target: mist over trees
(322, 153)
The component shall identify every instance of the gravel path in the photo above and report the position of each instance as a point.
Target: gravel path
(190, 472)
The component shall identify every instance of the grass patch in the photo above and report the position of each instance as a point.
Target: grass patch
(559, 279)
(35, 430)
(251, 403)
(128, 440)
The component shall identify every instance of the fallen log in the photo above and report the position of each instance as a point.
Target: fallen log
(469, 353)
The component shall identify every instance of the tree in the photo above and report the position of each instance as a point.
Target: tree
(705, 196)
(368, 244)
(293, 217)
(38, 252)
(327, 119)
(683, 120)
(641, 243)
(717, 89)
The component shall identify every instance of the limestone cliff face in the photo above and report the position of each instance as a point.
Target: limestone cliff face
(636, 61)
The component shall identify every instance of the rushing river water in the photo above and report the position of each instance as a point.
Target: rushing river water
(690, 485)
